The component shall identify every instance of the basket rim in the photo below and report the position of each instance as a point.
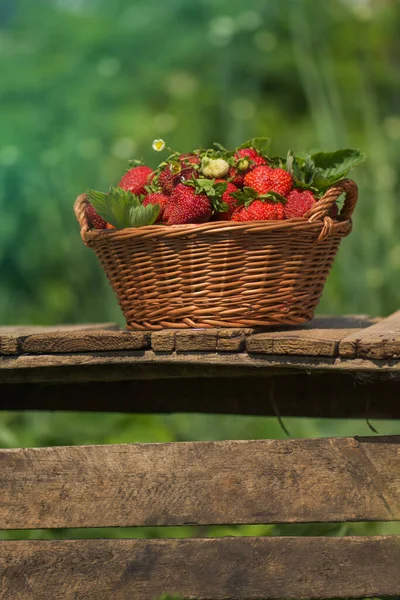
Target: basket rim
(317, 220)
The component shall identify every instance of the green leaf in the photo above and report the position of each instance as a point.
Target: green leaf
(115, 206)
(330, 167)
(220, 187)
(261, 144)
(274, 196)
(139, 216)
(220, 147)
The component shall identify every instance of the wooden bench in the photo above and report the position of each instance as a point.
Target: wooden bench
(347, 367)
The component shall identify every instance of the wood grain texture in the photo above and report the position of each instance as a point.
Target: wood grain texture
(117, 366)
(202, 569)
(321, 337)
(84, 341)
(205, 483)
(11, 338)
(379, 342)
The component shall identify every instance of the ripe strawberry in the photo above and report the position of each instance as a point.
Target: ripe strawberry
(135, 179)
(237, 176)
(255, 158)
(265, 179)
(94, 219)
(109, 226)
(157, 198)
(189, 158)
(168, 180)
(334, 211)
(259, 210)
(298, 203)
(259, 179)
(282, 181)
(185, 206)
(229, 200)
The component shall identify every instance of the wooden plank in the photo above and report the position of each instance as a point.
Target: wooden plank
(321, 337)
(379, 342)
(222, 569)
(148, 364)
(10, 337)
(84, 341)
(202, 483)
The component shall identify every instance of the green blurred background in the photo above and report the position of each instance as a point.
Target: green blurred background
(88, 84)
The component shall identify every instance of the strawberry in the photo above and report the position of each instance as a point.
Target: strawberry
(228, 199)
(265, 179)
(237, 177)
(259, 210)
(187, 159)
(282, 181)
(298, 203)
(259, 179)
(334, 211)
(255, 159)
(185, 206)
(169, 178)
(135, 179)
(157, 198)
(243, 156)
(94, 219)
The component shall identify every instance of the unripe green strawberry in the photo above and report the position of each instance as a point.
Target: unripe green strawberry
(214, 167)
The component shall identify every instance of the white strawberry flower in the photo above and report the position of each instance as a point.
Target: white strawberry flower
(158, 145)
(214, 167)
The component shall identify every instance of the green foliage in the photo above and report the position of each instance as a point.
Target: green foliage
(121, 208)
(321, 170)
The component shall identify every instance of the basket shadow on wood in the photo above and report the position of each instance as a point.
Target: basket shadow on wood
(222, 274)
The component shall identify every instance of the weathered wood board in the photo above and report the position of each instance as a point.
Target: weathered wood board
(202, 483)
(202, 569)
(378, 342)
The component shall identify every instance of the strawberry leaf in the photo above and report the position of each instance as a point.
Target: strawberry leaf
(274, 196)
(261, 144)
(331, 167)
(114, 207)
(220, 147)
(140, 216)
(220, 188)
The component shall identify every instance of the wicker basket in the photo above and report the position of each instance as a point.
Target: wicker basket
(222, 274)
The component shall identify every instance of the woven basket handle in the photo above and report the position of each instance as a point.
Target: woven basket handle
(80, 213)
(322, 207)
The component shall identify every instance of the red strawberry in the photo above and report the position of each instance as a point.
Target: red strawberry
(157, 198)
(229, 200)
(168, 180)
(259, 179)
(334, 211)
(94, 219)
(189, 158)
(281, 181)
(185, 206)
(264, 179)
(237, 176)
(253, 155)
(298, 203)
(259, 210)
(135, 179)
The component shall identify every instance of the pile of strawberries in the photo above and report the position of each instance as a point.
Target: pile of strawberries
(215, 184)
